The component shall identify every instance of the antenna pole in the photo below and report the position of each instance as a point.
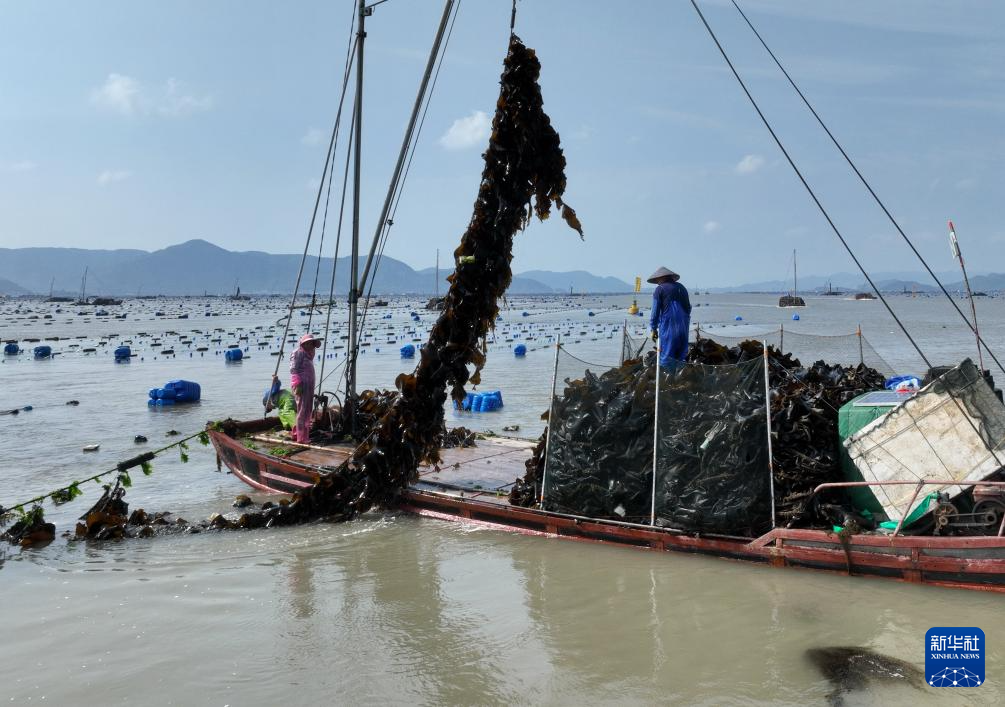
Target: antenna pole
(354, 264)
(955, 245)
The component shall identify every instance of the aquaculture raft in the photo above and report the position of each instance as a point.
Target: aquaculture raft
(471, 485)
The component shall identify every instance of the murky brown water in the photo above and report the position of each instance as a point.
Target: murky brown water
(398, 609)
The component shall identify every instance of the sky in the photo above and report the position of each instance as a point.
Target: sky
(141, 124)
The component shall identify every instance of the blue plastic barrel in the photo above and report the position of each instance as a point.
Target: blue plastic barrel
(181, 391)
(122, 352)
(520, 350)
(408, 351)
(233, 354)
(43, 352)
(795, 317)
(737, 318)
(11, 349)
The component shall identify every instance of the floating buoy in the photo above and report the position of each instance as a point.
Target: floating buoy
(795, 317)
(92, 447)
(520, 350)
(408, 351)
(233, 355)
(737, 318)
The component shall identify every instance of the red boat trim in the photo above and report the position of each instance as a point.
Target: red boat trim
(975, 563)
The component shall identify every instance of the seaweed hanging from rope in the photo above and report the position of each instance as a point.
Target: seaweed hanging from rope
(524, 175)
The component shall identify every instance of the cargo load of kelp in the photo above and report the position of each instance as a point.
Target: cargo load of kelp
(711, 453)
(524, 175)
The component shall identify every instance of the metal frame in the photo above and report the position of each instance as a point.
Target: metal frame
(905, 482)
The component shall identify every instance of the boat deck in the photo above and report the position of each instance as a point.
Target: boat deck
(485, 471)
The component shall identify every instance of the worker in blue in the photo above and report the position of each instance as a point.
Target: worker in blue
(671, 317)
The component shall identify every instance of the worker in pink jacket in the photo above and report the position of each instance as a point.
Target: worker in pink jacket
(302, 384)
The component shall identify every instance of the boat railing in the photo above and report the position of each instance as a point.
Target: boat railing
(919, 484)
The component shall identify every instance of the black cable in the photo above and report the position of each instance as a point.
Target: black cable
(866, 184)
(830, 222)
(808, 188)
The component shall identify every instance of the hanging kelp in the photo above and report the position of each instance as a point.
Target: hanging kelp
(524, 175)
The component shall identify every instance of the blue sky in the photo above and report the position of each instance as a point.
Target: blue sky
(143, 124)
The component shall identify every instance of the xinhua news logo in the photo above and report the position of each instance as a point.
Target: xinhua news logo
(954, 656)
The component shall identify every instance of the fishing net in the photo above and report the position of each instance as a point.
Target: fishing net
(599, 449)
(711, 449)
(845, 349)
(710, 452)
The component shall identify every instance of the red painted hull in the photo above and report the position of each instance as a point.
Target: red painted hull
(971, 562)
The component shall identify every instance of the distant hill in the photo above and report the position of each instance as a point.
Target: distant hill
(578, 280)
(12, 288)
(197, 266)
(886, 281)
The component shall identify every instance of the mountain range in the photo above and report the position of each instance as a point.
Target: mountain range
(886, 281)
(197, 266)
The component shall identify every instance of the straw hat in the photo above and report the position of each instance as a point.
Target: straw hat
(661, 273)
(307, 338)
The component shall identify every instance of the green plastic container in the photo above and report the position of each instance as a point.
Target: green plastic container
(851, 419)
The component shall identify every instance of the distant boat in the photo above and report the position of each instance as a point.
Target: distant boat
(792, 299)
(105, 301)
(831, 292)
(237, 296)
(56, 298)
(83, 289)
(864, 295)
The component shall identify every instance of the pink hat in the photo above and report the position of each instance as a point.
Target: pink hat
(307, 338)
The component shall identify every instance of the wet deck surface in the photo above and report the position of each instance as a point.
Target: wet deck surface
(485, 470)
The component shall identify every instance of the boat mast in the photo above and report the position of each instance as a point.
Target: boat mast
(795, 287)
(437, 282)
(354, 291)
(83, 286)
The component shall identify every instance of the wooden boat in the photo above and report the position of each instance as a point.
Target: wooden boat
(792, 299)
(471, 485)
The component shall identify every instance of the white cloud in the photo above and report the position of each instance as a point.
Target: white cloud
(175, 100)
(18, 166)
(711, 226)
(113, 175)
(119, 94)
(967, 183)
(467, 132)
(313, 137)
(127, 96)
(749, 164)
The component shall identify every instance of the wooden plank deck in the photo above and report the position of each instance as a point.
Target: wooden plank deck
(485, 469)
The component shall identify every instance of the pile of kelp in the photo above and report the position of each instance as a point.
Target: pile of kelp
(717, 467)
(524, 175)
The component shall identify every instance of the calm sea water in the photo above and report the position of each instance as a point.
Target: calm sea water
(394, 608)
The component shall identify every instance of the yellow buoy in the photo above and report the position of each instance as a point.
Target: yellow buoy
(634, 309)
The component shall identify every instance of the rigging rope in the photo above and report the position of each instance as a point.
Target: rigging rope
(314, 215)
(399, 185)
(866, 184)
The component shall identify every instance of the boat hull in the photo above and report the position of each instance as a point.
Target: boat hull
(466, 492)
